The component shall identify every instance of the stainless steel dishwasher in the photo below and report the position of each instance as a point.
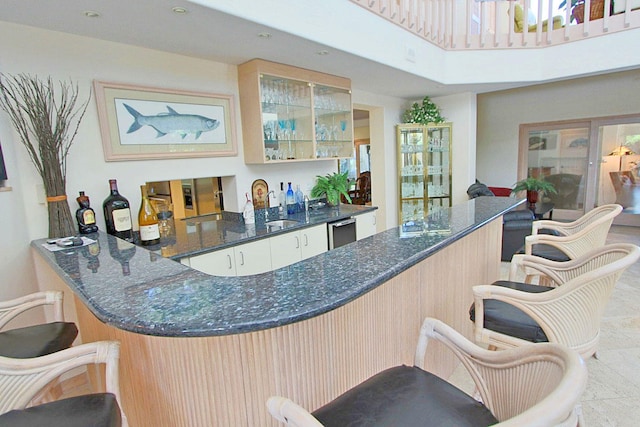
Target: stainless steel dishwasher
(341, 232)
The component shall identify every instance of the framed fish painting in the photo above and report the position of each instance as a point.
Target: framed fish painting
(150, 123)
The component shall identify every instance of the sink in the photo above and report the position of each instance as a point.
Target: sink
(280, 224)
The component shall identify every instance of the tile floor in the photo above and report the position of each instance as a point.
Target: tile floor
(612, 397)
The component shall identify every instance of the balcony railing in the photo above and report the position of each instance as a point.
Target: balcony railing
(490, 24)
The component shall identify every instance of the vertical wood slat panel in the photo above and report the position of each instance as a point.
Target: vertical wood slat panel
(225, 380)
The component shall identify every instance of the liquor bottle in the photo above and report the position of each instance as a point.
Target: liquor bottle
(299, 198)
(291, 201)
(117, 214)
(148, 220)
(85, 215)
(282, 201)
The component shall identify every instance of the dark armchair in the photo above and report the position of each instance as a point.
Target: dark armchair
(362, 193)
(516, 225)
(568, 186)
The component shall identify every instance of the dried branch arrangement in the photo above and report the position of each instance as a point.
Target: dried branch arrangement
(46, 123)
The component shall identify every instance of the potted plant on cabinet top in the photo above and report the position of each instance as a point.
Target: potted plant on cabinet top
(332, 186)
(533, 186)
(425, 113)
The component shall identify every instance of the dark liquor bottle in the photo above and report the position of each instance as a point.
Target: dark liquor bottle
(117, 214)
(85, 216)
(148, 220)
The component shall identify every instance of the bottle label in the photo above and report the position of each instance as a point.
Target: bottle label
(149, 232)
(122, 219)
(88, 217)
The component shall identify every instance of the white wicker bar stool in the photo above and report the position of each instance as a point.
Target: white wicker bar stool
(35, 340)
(22, 379)
(524, 387)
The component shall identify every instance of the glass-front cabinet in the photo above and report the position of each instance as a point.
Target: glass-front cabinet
(292, 114)
(424, 166)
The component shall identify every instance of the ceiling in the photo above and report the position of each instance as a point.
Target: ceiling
(209, 34)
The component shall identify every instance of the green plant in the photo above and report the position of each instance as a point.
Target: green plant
(534, 184)
(332, 186)
(424, 113)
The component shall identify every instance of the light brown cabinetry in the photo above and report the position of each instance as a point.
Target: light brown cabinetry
(293, 114)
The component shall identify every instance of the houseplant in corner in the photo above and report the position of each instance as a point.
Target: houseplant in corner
(533, 186)
(332, 186)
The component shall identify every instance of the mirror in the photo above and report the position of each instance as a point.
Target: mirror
(188, 197)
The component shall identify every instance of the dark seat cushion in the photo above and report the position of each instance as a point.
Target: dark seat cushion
(37, 340)
(404, 396)
(549, 252)
(91, 410)
(509, 320)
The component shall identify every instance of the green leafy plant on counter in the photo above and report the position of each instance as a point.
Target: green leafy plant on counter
(425, 113)
(332, 186)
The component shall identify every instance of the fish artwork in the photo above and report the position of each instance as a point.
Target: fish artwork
(172, 122)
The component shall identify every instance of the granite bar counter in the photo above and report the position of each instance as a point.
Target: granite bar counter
(207, 350)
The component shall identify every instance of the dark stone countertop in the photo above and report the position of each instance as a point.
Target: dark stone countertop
(165, 298)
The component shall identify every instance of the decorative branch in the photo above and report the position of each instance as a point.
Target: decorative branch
(46, 126)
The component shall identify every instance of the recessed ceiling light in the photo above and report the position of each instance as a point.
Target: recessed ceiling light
(264, 35)
(91, 14)
(322, 52)
(179, 9)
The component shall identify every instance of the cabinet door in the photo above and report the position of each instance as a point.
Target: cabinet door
(285, 249)
(333, 121)
(438, 166)
(412, 148)
(314, 241)
(365, 225)
(253, 258)
(217, 263)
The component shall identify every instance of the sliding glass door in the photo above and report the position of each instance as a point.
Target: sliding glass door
(591, 163)
(619, 180)
(560, 154)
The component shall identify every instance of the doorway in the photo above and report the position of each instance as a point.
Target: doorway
(359, 164)
(590, 162)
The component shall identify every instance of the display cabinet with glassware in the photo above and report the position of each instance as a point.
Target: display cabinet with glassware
(424, 167)
(293, 114)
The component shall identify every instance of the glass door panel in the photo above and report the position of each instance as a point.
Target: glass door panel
(561, 156)
(619, 180)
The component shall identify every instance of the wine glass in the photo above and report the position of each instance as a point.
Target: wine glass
(343, 127)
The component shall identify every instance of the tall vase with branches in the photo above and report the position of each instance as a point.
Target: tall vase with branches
(46, 123)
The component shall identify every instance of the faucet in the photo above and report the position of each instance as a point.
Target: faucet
(266, 209)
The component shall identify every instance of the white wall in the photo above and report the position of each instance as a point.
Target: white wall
(501, 113)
